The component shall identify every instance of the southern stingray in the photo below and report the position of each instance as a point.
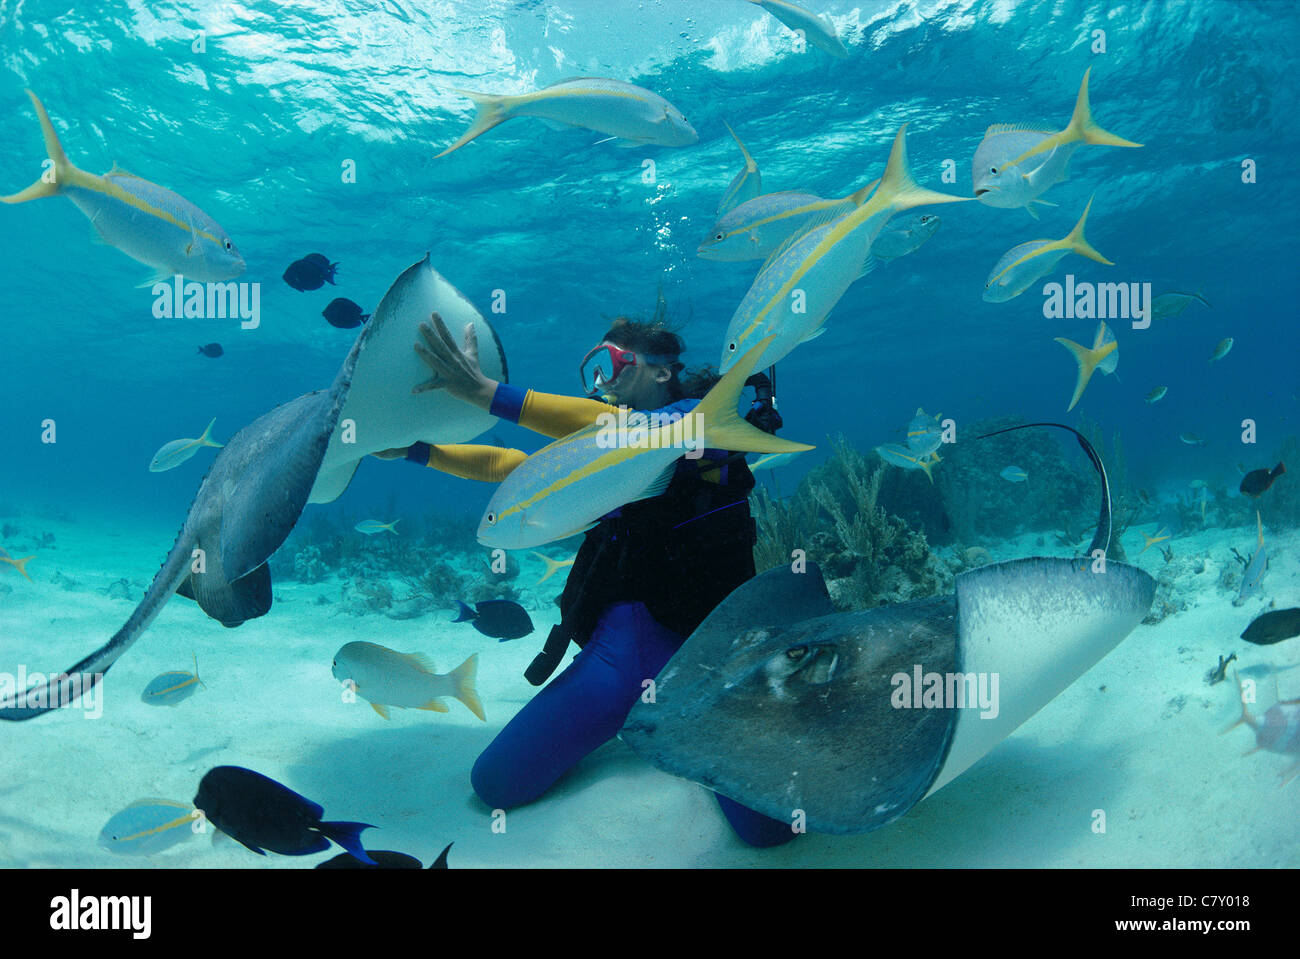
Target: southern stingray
(783, 704)
(305, 450)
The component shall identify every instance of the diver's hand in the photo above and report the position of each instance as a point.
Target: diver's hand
(455, 369)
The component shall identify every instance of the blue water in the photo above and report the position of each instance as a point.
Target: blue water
(256, 128)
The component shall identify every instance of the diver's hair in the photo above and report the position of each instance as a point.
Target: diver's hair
(656, 339)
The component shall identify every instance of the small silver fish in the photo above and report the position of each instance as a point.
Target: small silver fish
(905, 236)
(1014, 474)
(817, 30)
(1191, 439)
(1172, 303)
(1221, 350)
(1158, 394)
(372, 526)
(173, 454)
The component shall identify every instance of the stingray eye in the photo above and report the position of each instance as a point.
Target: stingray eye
(796, 653)
(491, 519)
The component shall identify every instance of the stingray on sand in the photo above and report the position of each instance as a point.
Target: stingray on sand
(849, 719)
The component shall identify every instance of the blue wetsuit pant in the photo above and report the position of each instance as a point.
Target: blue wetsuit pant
(583, 708)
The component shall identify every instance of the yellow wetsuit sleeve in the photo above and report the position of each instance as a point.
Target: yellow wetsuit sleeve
(491, 464)
(555, 415)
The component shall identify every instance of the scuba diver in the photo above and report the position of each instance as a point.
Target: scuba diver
(646, 575)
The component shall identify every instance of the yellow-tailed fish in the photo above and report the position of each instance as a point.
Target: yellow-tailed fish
(168, 689)
(148, 826)
(817, 30)
(1221, 350)
(18, 564)
(173, 454)
(1023, 265)
(147, 222)
(568, 486)
(802, 281)
(623, 110)
(553, 566)
(753, 230)
(746, 184)
(924, 434)
(1159, 537)
(1014, 164)
(1014, 474)
(384, 677)
(1102, 355)
(372, 526)
(898, 455)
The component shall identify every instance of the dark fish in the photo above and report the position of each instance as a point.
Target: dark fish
(1256, 481)
(499, 618)
(310, 273)
(262, 814)
(344, 314)
(1273, 627)
(211, 349)
(441, 861)
(384, 859)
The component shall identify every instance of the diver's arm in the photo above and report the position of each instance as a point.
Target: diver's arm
(491, 464)
(550, 414)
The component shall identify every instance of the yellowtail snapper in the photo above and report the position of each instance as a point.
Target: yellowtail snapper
(803, 281)
(623, 110)
(568, 486)
(147, 222)
(817, 30)
(372, 526)
(1014, 164)
(1026, 263)
(173, 454)
(746, 184)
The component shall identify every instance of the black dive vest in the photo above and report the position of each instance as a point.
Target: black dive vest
(680, 553)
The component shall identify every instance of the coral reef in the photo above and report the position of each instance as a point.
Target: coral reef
(867, 556)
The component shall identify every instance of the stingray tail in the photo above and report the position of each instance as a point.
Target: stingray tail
(1100, 539)
(52, 179)
(348, 835)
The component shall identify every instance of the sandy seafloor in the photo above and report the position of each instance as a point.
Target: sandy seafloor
(1138, 737)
